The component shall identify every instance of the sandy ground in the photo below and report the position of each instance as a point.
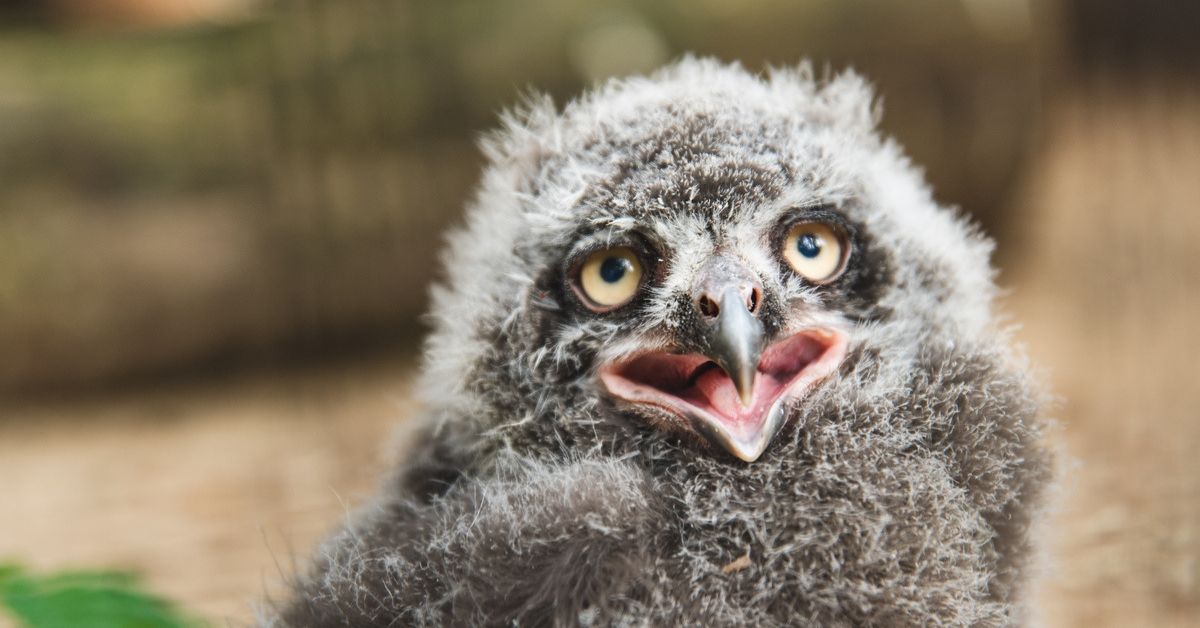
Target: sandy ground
(211, 490)
(1108, 292)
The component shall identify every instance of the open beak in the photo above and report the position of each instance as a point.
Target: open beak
(733, 390)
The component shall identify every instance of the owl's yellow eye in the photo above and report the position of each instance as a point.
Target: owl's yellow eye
(611, 277)
(814, 250)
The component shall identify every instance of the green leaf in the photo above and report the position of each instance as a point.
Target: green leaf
(85, 599)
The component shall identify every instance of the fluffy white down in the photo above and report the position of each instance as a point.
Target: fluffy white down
(902, 489)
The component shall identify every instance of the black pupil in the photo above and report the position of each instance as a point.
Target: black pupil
(614, 268)
(809, 245)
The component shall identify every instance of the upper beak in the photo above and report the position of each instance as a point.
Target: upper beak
(728, 298)
(735, 341)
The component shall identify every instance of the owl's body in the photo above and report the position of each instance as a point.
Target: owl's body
(895, 483)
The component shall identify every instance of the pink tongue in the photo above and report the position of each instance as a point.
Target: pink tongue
(721, 394)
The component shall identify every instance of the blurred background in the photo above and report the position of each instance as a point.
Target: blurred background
(219, 218)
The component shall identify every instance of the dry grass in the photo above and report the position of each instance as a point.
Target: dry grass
(204, 488)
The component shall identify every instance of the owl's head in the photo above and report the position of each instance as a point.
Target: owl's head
(694, 255)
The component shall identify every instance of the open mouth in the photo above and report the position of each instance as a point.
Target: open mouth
(695, 388)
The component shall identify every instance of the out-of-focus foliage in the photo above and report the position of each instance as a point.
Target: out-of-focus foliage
(95, 599)
(277, 184)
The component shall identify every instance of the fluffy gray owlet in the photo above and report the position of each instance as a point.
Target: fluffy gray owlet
(706, 352)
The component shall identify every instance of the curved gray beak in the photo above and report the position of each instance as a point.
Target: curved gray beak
(735, 341)
(728, 299)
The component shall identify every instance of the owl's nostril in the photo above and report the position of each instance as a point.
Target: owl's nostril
(754, 300)
(723, 286)
(711, 308)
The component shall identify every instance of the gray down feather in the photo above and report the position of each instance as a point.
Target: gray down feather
(902, 489)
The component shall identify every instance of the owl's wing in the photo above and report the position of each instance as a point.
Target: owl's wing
(536, 541)
(990, 431)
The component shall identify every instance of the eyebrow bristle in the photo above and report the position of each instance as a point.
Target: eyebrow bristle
(542, 300)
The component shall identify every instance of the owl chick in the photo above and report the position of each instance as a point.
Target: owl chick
(707, 352)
